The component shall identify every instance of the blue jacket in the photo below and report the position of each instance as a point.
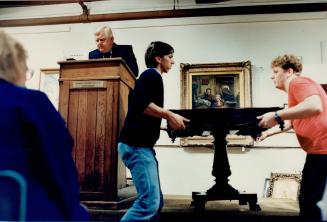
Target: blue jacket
(35, 142)
(123, 51)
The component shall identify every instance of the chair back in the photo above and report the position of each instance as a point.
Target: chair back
(13, 196)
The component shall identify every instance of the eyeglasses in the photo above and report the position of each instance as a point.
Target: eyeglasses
(29, 73)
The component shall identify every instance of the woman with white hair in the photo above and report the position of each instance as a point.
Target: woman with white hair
(35, 142)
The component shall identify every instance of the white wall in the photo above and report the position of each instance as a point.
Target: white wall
(258, 38)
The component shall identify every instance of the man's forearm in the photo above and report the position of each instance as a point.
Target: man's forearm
(175, 121)
(309, 107)
(156, 111)
(276, 129)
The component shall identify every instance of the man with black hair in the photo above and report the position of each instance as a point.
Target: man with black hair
(141, 130)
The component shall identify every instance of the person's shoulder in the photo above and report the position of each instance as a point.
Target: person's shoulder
(94, 54)
(150, 73)
(22, 95)
(303, 80)
(40, 106)
(34, 95)
(123, 47)
(9, 91)
(129, 47)
(20, 91)
(31, 96)
(93, 51)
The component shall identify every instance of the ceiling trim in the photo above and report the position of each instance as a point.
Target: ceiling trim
(198, 12)
(18, 3)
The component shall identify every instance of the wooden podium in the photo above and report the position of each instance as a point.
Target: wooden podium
(93, 100)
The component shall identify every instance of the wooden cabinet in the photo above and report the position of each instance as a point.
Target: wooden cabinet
(93, 100)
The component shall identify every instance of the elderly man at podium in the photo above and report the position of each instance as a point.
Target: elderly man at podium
(106, 48)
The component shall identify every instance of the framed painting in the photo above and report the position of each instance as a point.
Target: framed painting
(215, 86)
(49, 84)
(284, 185)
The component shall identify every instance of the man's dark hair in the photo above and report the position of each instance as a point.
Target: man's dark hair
(156, 49)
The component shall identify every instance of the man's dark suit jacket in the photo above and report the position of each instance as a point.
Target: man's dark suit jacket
(123, 51)
(35, 142)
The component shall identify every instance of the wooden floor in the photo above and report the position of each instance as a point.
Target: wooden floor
(178, 209)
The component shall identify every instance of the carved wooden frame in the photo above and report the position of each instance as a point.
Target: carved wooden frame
(286, 178)
(241, 70)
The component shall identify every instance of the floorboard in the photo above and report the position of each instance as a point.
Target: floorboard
(178, 209)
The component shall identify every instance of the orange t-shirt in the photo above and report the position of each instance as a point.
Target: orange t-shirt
(311, 132)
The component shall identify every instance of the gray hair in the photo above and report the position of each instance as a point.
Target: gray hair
(12, 54)
(104, 29)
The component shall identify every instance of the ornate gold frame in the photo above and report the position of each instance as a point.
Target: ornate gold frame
(288, 182)
(241, 70)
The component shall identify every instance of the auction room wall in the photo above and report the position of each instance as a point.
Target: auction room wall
(258, 38)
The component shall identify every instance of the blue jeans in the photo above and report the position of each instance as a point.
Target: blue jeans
(142, 163)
